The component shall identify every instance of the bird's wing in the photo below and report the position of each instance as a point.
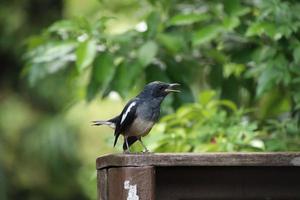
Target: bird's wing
(126, 118)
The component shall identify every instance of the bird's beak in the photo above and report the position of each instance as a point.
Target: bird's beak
(172, 87)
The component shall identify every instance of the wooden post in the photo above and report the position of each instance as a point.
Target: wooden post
(199, 176)
(131, 183)
(102, 184)
(126, 183)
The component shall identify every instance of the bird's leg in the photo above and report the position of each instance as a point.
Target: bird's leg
(145, 148)
(127, 145)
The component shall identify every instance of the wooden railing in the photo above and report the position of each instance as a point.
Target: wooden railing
(209, 176)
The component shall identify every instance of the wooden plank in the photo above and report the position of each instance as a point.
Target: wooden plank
(102, 184)
(131, 183)
(227, 183)
(200, 159)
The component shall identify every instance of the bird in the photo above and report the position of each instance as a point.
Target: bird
(139, 114)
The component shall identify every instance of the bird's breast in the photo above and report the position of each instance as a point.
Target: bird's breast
(139, 127)
(149, 111)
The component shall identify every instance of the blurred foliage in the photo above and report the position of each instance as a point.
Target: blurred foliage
(246, 51)
(237, 62)
(44, 153)
(211, 124)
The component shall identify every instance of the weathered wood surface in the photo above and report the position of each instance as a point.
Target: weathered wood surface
(199, 159)
(102, 183)
(131, 183)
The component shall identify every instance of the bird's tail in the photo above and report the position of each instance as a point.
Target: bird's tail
(103, 122)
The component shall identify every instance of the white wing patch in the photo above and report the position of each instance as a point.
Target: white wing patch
(127, 111)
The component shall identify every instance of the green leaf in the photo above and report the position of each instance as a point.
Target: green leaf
(64, 26)
(153, 23)
(85, 54)
(48, 59)
(231, 22)
(229, 104)
(52, 52)
(126, 74)
(100, 24)
(217, 55)
(231, 6)
(295, 68)
(266, 81)
(254, 29)
(173, 43)
(206, 34)
(84, 24)
(101, 75)
(296, 98)
(259, 28)
(296, 54)
(206, 96)
(35, 41)
(186, 19)
(154, 73)
(34, 73)
(233, 69)
(234, 8)
(264, 53)
(147, 52)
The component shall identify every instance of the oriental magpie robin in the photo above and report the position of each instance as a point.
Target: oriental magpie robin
(139, 114)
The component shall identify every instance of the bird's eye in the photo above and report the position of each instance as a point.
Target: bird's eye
(161, 87)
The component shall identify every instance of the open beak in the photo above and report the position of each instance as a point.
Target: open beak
(172, 87)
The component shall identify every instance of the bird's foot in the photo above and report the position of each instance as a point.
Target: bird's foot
(146, 151)
(126, 152)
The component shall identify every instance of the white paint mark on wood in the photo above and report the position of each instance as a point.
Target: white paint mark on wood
(132, 190)
(296, 161)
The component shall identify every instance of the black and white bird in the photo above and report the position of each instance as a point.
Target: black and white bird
(140, 114)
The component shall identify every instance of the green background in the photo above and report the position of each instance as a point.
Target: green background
(65, 63)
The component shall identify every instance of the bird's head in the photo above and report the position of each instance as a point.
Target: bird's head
(159, 89)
